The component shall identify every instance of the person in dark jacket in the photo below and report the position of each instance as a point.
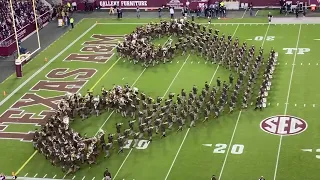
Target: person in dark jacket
(107, 174)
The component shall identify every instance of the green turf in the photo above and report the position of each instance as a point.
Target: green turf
(190, 159)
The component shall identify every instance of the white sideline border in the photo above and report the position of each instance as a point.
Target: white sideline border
(212, 23)
(44, 66)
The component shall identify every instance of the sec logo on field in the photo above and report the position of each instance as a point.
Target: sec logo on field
(283, 125)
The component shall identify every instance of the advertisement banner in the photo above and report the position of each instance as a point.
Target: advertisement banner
(178, 4)
(142, 4)
(8, 45)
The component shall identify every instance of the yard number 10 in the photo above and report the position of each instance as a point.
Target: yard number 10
(235, 149)
(261, 38)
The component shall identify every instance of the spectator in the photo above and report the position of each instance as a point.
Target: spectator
(23, 12)
(74, 5)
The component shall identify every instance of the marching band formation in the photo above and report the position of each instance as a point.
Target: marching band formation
(147, 116)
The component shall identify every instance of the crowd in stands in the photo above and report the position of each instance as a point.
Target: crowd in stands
(23, 11)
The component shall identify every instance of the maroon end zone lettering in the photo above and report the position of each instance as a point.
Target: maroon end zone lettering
(34, 99)
(17, 136)
(99, 49)
(61, 86)
(103, 39)
(3, 127)
(98, 58)
(62, 73)
(20, 116)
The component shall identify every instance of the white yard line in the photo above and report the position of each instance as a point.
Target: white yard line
(175, 77)
(113, 112)
(236, 125)
(215, 72)
(163, 96)
(174, 160)
(286, 105)
(265, 36)
(244, 13)
(231, 140)
(256, 13)
(44, 66)
(125, 159)
(131, 86)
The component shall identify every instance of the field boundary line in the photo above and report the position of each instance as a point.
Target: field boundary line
(33, 178)
(213, 23)
(44, 66)
(45, 49)
(245, 11)
(35, 74)
(174, 160)
(256, 13)
(286, 104)
(238, 119)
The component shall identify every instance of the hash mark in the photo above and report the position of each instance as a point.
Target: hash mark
(25, 175)
(206, 62)
(277, 104)
(286, 63)
(304, 105)
(191, 62)
(93, 178)
(54, 176)
(45, 176)
(251, 103)
(73, 177)
(317, 64)
(177, 61)
(64, 176)
(314, 105)
(295, 104)
(198, 62)
(83, 177)
(309, 63)
(268, 104)
(301, 63)
(35, 175)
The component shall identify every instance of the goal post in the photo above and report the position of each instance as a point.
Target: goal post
(24, 57)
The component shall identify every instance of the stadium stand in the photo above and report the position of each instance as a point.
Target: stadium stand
(23, 13)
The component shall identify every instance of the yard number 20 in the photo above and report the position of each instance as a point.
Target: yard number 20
(235, 149)
(268, 38)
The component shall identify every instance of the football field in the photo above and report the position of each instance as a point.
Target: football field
(281, 142)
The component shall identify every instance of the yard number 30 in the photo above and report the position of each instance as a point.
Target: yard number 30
(235, 149)
(261, 38)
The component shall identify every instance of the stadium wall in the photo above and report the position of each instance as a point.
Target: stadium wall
(155, 4)
(8, 46)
